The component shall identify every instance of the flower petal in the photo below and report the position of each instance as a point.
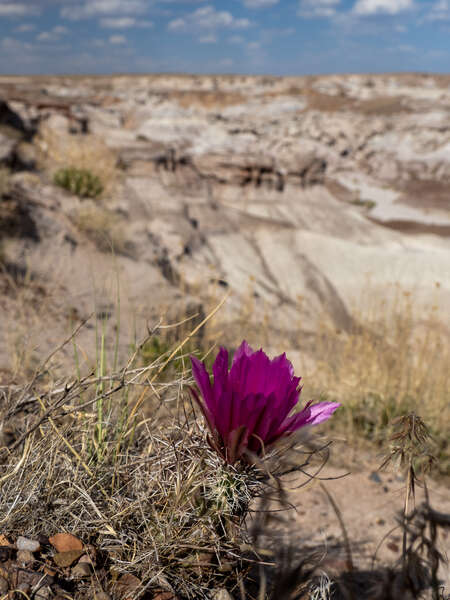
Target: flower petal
(249, 374)
(279, 415)
(206, 412)
(310, 415)
(243, 350)
(322, 411)
(220, 372)
(201, 377)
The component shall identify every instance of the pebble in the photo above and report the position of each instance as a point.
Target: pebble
(24, 543)
(4, 587)
(81, 571)
(102, 596)
(65, 559)
(25, 557)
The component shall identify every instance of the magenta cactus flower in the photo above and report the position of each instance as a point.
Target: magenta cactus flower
(248, 407)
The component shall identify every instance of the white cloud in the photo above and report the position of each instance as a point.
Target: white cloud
(236, 39)
(117, 39)
(318, 8)
(440, 11)
(390, 7)
(25, 27)
(46, 36)
(259, 3)
(17, 9)
(125, 23)
(9, 43)
(118, 22)
(98, 43)
(208, 39)
(208, 17)
(98, 8)
(53, 35)
(226, 62)
(177, 25)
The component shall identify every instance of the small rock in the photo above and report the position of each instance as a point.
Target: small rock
(380, 521)
(4, 541)
(66, 559)
(81, 571)
(25, 557)
(85, 559)
(4, 587)
(65, 542)
(24, 543)
(101, 596)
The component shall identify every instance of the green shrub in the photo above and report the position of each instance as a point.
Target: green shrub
(81, 182)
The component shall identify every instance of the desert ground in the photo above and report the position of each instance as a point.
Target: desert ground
(316, 208)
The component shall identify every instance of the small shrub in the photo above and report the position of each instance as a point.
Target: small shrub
(57, 151)
(101, 226)
(81, 182)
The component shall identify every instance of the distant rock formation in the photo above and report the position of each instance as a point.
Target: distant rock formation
(291, 192)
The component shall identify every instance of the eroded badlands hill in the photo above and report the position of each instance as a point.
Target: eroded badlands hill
(303, 196)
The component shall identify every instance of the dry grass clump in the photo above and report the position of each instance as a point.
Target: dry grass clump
(146, 492)
(82, 152)
(119, 460)
(101, 226)
(393, 361)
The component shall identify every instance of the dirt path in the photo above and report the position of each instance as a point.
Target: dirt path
(368, 501)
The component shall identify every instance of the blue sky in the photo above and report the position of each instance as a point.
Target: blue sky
(281, 37)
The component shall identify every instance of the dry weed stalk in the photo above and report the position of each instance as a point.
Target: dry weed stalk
(410, 451)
